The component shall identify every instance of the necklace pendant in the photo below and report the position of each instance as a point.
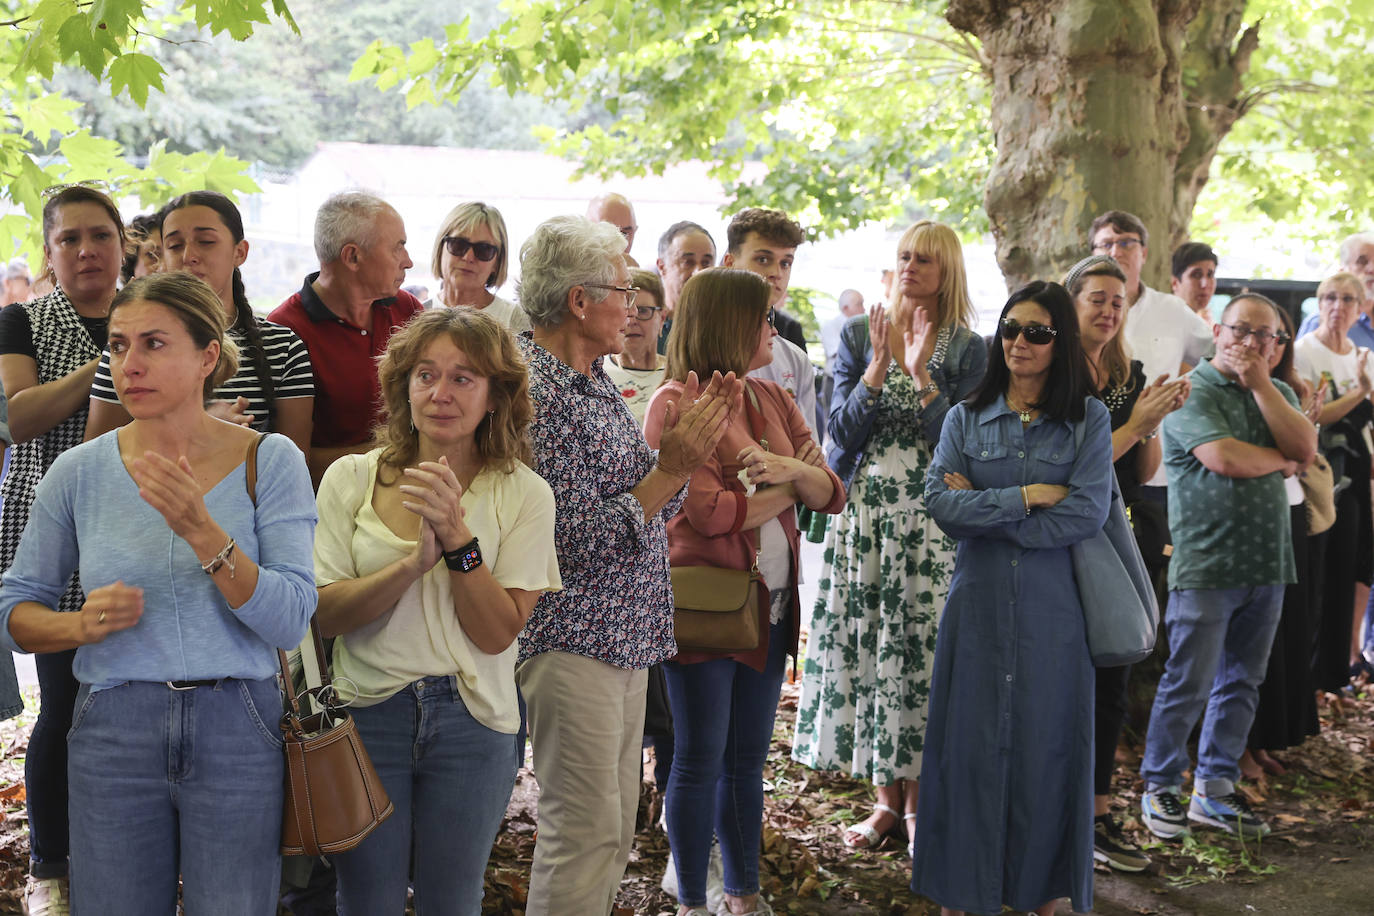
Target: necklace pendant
(1025, 416)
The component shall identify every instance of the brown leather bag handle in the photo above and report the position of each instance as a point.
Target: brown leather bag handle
(250, 483)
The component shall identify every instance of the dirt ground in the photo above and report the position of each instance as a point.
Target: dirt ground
(1318, 862)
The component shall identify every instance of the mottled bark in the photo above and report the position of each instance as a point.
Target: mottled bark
(1097, 106)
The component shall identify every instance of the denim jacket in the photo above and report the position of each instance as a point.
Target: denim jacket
(853, 406)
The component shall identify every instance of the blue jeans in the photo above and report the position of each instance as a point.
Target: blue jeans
(722, 726)
(166, 781)
(450, 778)
(1219, 641)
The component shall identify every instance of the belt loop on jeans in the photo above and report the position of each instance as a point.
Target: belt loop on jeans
(191, 685)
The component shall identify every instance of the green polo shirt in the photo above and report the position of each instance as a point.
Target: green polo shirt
(1229, 532)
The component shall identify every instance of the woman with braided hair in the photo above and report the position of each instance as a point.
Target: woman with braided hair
(274, 389)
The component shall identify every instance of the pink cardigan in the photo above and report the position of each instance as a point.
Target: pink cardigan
(707, 531)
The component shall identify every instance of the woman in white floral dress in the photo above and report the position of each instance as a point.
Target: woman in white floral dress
(865, 683)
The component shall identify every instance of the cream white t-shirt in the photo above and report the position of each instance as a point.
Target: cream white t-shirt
(512, 517)
(1163, 333)
(503, 310)
(1312, 359)
(636, 385)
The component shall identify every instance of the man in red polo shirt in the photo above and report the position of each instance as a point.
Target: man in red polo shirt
(346, 313)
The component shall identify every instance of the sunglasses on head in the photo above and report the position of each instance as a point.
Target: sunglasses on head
(459, 246)
(1035, 333)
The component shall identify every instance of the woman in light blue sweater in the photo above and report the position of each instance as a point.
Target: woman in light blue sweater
(192, 582)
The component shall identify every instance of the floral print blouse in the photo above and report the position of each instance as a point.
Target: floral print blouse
(617, 601)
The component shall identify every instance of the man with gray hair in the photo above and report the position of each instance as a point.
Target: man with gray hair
(617, 210)
(1357, 257)
(345, 313)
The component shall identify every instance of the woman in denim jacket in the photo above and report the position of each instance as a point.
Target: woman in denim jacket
(866, 680)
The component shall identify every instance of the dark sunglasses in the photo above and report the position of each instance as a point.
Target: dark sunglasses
(1038, 334)
(772, 317)
(459, 246)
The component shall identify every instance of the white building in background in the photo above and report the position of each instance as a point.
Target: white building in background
(423, 183)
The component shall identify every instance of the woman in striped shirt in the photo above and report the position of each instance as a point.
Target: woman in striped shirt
(274, 389)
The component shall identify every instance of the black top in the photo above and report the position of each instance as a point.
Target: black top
(1120, 402)
(16, 333)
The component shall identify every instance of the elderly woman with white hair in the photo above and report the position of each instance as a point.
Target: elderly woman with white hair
(471, 253)
(585, 651)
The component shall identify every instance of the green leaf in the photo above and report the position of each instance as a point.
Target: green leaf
(135, 73)
(115, 15)
(89, 156)
(45, 115)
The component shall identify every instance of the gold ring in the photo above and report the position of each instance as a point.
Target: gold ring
(100, 618)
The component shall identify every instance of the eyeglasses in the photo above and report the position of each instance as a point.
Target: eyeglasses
(1241, 331)
(459, 247)
(629, 291)
(1122, 244)
(646, 312)
(1347, 299)
(772, 317)
(1038, 334)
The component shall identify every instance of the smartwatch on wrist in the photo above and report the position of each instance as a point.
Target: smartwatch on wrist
(465, 559)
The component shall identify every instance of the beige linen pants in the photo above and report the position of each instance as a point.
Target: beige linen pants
(586, 722)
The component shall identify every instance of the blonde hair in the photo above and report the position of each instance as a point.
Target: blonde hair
(938, 241)
(716, 323)
(501, 437)
(464, 218)
(1114, 355)
(1339, 277)
(198, 308)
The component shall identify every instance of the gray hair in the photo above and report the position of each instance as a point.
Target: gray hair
(17, 268)
(665, 240)
(564, 252)
(347, 218)
(1349, 245)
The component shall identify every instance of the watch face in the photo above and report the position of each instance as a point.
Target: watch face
(472, 557)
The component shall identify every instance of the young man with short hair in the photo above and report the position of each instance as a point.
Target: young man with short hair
(765, 242)
(1193, 272)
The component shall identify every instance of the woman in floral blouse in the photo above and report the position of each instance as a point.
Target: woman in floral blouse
(585, 651)
(866, 682)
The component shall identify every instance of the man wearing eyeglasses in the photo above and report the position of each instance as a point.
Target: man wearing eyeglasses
(683, 249)
(617, 210)
(345, 313)
(1227, 450)
(765, 242)
(1162, 332)
(1357, 257)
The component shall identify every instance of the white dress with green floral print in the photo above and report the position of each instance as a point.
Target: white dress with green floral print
(866, 680)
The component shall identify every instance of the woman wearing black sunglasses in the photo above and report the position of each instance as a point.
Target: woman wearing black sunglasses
(1022, 471)
(470, 256)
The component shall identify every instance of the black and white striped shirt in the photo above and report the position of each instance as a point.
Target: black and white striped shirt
(286, 356)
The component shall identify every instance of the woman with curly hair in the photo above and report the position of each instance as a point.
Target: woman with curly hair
(433, 549)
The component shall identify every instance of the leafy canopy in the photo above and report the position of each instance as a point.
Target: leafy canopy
(118, 42)
(878, 109)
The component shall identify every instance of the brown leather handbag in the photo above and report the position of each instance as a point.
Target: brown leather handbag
(333, 798)
(715, 609)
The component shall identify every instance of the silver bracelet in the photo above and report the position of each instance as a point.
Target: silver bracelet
(221, 559)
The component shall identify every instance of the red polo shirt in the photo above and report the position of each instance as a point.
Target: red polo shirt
(348, 401)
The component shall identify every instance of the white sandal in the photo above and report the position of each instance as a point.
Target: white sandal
(910, 819)
(872, 838)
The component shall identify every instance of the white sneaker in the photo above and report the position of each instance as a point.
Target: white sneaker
(47, 897)
(715, 878)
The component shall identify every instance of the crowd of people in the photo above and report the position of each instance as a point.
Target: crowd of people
(485, 504)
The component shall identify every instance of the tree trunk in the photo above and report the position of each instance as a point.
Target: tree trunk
(1091, 112)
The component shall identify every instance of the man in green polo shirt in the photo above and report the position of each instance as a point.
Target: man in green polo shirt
(1227, 451)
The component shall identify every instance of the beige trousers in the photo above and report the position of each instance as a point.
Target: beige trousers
(586, 722)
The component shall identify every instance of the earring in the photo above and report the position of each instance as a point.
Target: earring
(410, 409)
